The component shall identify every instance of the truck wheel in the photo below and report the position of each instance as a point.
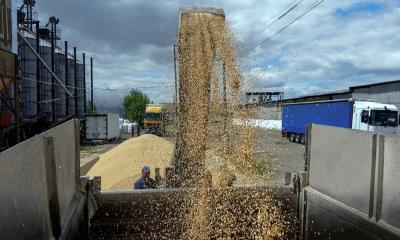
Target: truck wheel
(303, 139)
(292, 137)
(298, 137)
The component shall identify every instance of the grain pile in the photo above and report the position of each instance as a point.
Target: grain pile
(120, 167)
(209, 87)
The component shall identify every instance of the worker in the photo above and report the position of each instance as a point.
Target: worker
(145, 182)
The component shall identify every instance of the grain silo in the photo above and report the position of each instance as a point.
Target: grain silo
(29, 84)
(80, 90)
(46, 99)
(71, 87)
(60, 95)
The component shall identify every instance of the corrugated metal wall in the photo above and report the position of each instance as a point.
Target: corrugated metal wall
(46, 82)
(71, 87)
(29, 82)
(80, 90)
(60, 93)
(385, 93)
(341, 96)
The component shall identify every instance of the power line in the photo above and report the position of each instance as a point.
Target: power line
(312, 6)
(278, 16)
(97, 88)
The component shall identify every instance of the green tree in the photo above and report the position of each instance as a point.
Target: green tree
(135, 106)
(89, 108)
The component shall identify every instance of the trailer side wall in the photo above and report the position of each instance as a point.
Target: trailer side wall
(296, 117)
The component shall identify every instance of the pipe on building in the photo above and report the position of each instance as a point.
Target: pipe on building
(52, 62)
(84, 81)
(91, 85)
(38, 83)
(76, 83)
(66, 76)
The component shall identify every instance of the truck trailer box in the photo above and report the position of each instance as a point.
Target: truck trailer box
(345, 113)
(296, 117)
(102, 126)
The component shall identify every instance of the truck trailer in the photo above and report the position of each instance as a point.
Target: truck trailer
(102, 126)
(346, 113)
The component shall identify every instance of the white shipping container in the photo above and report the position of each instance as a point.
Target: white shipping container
(102, 126)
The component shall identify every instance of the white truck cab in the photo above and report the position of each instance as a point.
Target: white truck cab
(375, 117)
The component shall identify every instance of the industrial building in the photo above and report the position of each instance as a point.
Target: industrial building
(43, 81)
(262, 97)
(383, 92)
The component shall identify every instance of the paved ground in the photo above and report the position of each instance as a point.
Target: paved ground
(273, 150)
(99, 147)
(282, 155)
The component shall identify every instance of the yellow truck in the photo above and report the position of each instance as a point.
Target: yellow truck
(154, 120)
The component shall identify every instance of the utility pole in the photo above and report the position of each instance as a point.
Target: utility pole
(176, 77)
(53, 86)
(76, 83)
(53, 21)
(84, 82)
(91, 85)
(176, 88)
(38, 83)
(67, 83)
(17, 104)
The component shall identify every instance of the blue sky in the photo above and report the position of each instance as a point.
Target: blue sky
(361, 8)
(336, 45)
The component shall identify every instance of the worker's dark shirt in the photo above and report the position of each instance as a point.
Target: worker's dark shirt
(145, 184)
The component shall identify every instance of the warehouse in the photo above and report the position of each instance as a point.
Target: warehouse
(383, 92)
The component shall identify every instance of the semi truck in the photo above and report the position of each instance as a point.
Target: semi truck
(345, 113)
(154, 120)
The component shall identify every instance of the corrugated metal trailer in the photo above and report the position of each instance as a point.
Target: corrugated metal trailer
(102, 126)
(296, 116)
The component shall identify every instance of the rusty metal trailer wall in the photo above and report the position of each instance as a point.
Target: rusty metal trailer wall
(162, 213)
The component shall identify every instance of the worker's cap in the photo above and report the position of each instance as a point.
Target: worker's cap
(146, 169)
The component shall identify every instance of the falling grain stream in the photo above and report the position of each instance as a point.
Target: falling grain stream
(209, 87)
(208, 100)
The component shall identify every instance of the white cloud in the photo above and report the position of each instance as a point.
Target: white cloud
(324, 52)
(132, 43)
